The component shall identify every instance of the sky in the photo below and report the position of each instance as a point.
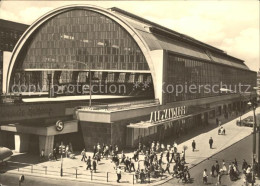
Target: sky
(232, 26)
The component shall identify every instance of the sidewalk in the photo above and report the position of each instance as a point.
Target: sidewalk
(105, 169)
(234, 134)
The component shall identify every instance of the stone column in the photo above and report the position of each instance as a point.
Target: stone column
(21, 142)
(46, 143)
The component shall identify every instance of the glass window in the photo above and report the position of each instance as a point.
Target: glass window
(86, 32)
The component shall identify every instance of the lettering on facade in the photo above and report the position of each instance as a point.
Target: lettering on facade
(170, 113)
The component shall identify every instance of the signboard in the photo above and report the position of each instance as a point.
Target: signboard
(170, 113)
(59, 125)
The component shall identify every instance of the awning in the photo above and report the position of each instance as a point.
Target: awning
(69, 127)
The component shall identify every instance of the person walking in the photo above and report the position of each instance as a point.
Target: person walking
(88, 163)
(210, 142)
(54, 153)
(118, 172)
(94, 164)
(168, 156)
(213, 169)
(67, 149)
(217, 168)
(94, 151)
(167, 168)
(83, 153)
(132, 164)
(219, 179)
(217, 121)
(193, 145)
(205, 176)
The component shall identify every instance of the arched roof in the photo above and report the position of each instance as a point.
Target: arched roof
(40, 21)
(158, 37)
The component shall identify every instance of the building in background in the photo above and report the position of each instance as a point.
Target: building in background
(10, 32)
(78, 44)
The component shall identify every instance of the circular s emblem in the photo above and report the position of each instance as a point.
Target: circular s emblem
(59, 125)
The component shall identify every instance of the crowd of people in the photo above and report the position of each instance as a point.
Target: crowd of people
(219, 170)
(150, 165)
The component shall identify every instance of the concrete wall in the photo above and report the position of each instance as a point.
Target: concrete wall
(46, 143)
(94, 133)
(107, 133)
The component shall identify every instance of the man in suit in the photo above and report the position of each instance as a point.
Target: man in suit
(210, 142)
(193, 145)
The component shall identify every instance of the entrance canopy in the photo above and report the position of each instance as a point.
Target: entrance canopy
(69, 127)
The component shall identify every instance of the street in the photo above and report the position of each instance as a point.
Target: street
(9, 179)
(241, 150)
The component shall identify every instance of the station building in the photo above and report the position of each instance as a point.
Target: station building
(80, 45)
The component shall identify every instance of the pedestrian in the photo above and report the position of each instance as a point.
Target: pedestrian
(110, 150)
(193, 145)
(167, 167)
(217, 167)
(142, 176)
(132, 164)
(175, 146)
(118, 172)
(94, 151)
(42, 157)
(224, 168)
(116, 149)
(210, 142)
(217, 121)
(54, 153)
(127, 164)
(244, 165)
(235, 162)
(94, 164)
(168, 156)
(83, 154)
(219, 179)
(213, 168)
(205, 176)
(67, 149)
(88, 163)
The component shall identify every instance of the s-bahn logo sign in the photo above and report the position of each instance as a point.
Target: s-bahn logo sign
(59, 125)
(170, 113)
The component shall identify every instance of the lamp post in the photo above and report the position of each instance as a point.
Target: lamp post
(254, 105)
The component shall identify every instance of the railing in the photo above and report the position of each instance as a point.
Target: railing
(69, 172)
(120, 106)
(77, 173)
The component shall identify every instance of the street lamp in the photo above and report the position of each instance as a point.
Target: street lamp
(254, 105)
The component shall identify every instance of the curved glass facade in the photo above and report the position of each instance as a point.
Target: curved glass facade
(83, 39)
